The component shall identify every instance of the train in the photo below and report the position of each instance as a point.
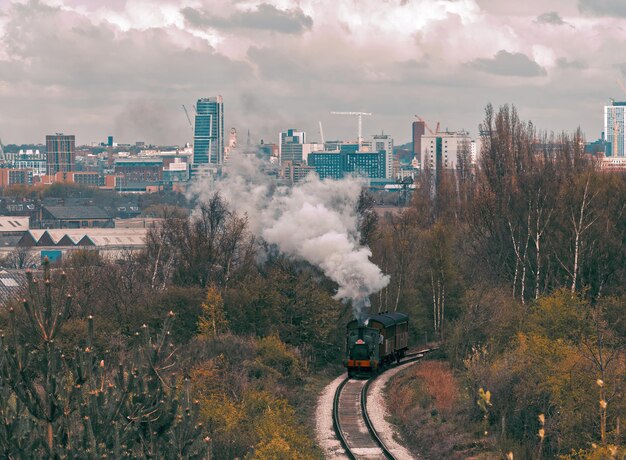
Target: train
(375, 342)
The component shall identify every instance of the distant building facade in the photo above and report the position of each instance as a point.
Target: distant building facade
(208, 139)
(613, 164)
(138, 174)
(290, 146)
(444, 149)
(327, 164)
(75, 217)
(11, 176)
(29, 159)
(336, 165)
(294, 172)
(371, 165)
(61, 151)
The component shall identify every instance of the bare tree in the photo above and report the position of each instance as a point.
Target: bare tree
(21, 257)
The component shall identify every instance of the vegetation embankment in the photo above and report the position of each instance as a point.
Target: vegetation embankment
(432, 411)
(520, 267)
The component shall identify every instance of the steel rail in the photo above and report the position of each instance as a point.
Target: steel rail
(368, 423)
(363, 402)
(336, 424)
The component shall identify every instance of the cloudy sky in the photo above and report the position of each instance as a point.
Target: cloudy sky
(125, 67)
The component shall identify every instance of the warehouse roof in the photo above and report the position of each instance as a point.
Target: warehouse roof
(13, 223)
(77, 212)
(12, 285)
(85, 237)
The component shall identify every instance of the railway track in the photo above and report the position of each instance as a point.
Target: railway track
(351, 421)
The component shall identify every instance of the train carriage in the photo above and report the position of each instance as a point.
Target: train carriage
(375, 342)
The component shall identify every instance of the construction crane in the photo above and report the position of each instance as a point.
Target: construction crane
(3, 158)
(322, 133)
(357, 114)
(187, 115)
(621, 85)
(428, 127)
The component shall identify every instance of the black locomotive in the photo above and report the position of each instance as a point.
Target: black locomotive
(376, 341)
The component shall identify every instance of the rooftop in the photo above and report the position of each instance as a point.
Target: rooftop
(126, 237)
(12, 285)
(77, 212)
(13, 223)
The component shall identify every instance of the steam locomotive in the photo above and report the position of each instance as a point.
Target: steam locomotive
(375, 342)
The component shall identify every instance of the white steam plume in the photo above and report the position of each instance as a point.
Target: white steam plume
(314, 221)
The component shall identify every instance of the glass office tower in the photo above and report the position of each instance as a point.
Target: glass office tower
(208, 139)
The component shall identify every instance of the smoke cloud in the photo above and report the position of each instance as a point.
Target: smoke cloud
(315, 221)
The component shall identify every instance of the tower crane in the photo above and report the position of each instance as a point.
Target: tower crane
(3, 158)
(360, 115)
(621, 85)
(428, 127)
(187, 115)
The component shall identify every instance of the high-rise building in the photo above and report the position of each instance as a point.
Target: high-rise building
(60, 153)
(419, 128)
(384, 142)
(614, 128)
(208, 139)
(293, 148)
(290, 145)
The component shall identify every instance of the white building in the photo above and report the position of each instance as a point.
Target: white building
(384, 142)
(615, 128)
(475, 151)
(613, 164)
(443, 150)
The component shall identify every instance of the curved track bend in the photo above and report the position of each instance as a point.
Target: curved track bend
(352, 423)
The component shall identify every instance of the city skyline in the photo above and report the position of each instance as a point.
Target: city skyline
(126, 68)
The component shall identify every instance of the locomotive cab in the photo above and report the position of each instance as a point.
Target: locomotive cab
(362, 350)
(378, 340)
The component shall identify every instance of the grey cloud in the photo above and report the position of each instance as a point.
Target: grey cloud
(265, 17)
(82, 73)
(552, 18)
(622, 68)
(286, 65)
(63, 48)
(66, 74)
(509, 64)
(603, 7)
(564, 63)
(144, 120)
